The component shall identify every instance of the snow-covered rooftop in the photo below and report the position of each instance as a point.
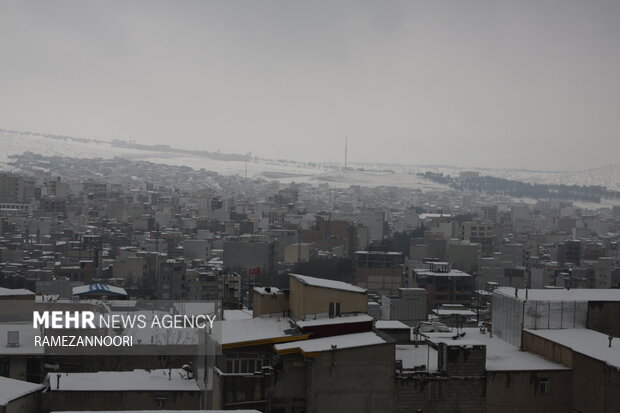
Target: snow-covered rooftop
(417, 356)
(331, 343)
(562, 294)
(451, 273)
(7, 292)
(454, 311)
(391, 325)
(323, 283)
(267, 290)
(97, 288)
(361, 318)
(460, 342)
(136, 380)
(500, 355)
(11, 389)
(256, 329)
(503, 356)
(587, 342)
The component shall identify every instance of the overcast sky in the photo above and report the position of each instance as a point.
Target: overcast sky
(522, 84)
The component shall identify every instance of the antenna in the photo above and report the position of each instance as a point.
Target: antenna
(346, 139)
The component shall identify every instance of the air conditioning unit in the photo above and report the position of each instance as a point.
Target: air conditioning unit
(12, 338)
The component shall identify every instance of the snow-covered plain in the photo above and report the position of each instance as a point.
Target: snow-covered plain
(404, 176)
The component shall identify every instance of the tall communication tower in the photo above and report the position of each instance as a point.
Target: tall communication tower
(346, 139)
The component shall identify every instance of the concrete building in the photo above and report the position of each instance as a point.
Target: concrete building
(346, 373)
(444, 285)
(270, 300)
(19, 397)
(374, 220)
(16, 189)
(409, 306)
(317, 297)
(248, 253)
(593, 359)
(159, 389)
(464, 255)
(482, 233)
(379, 271)
(298, 252)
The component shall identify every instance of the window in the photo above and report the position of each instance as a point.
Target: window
(435, 391)
(245, 363)
(543, 385)
(334, 310)
(160, 402)
(4, 367)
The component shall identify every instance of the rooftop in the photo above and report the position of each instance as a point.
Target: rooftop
(257, 331)
(98, 288)
(454, 311)
(137, 380)
(503, 356)
(14, 389)
(313, 347)
(323, 283)
(562, 294)
(267, 290)
(500, 355)
(8, 292)
(583, 341)
(421, 357)
(391, 325)
(361, 318)
(451, 273)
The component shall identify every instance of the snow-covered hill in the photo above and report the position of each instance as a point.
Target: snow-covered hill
(14, 143)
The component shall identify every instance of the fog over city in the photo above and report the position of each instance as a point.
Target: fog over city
(309, 206)
(472, 84)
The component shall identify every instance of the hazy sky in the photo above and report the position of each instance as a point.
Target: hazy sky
(525, 84)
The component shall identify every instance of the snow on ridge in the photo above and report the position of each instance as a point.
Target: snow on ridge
(404, 176)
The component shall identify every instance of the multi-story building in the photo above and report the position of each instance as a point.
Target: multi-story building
(444, 285)
(379, 271)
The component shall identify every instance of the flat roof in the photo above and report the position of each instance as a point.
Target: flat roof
(413, 356)
(8, 292)
(500, 355)
(562, 294)
(503, 356)
(14, 389)
(451, 273)
(583, 341)
(318, 345)
(324, 283)
(136, 380)
(360, 318)
(257, 331)
(456, 311)
(263, 290)
(391, 325)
